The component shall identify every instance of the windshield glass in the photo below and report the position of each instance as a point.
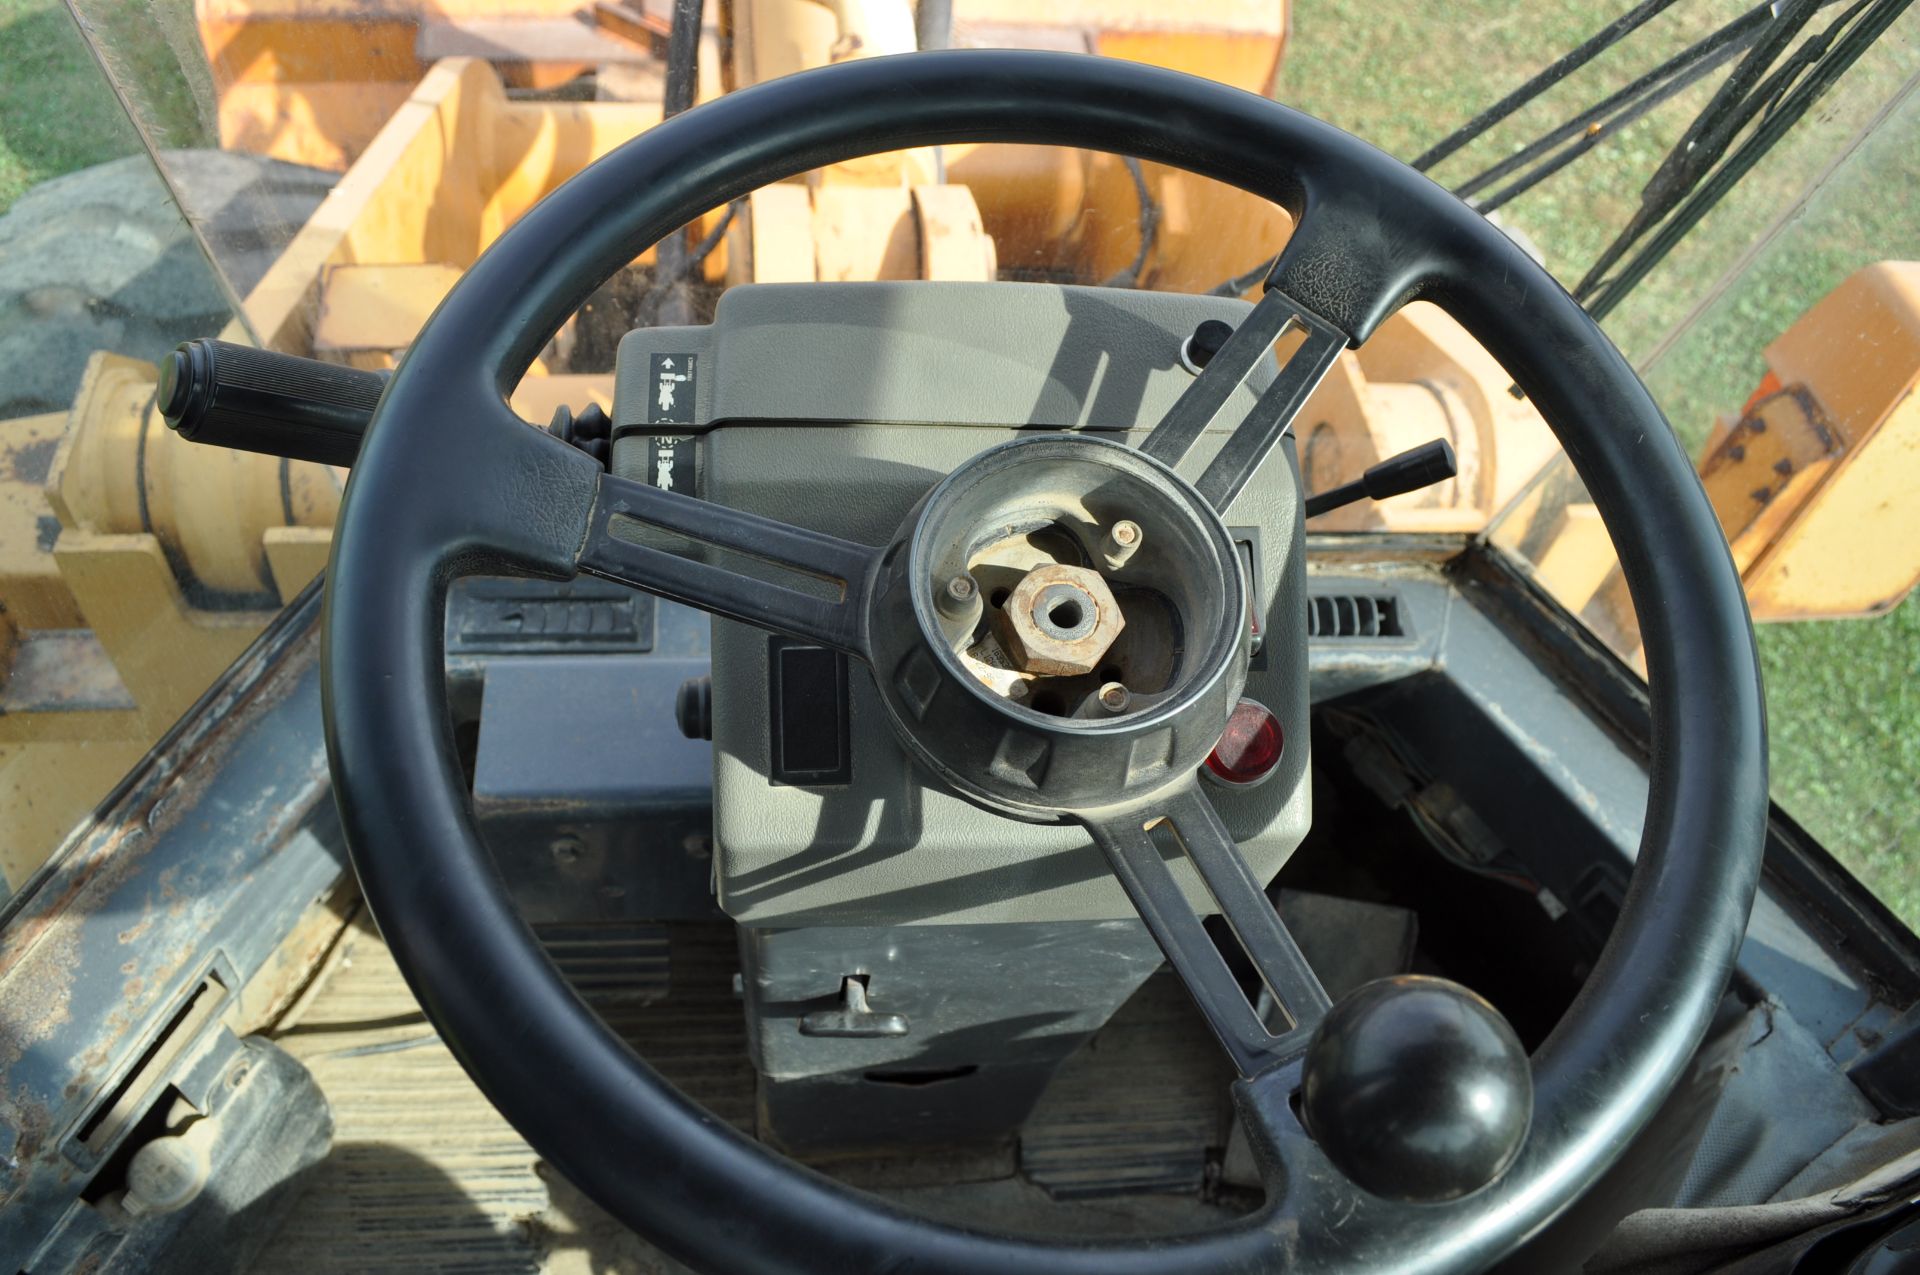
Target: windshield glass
(1725, 185)
(1785, 353)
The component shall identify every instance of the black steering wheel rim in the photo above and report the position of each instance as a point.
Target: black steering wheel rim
(435, 495)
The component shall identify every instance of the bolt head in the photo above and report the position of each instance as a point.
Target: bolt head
(955, 598)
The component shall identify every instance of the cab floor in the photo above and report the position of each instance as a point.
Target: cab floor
(423, 1174)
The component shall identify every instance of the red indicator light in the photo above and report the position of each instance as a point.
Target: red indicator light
(1249, 748)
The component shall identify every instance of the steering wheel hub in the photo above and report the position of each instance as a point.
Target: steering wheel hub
(1028, 520)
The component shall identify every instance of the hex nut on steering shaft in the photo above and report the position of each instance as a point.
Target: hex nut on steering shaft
(1060, 620)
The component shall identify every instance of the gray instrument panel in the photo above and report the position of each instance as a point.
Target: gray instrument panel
(836, 408)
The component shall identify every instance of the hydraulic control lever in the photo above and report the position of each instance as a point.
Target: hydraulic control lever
(283, 405)
(259, 401)
(1417, 467)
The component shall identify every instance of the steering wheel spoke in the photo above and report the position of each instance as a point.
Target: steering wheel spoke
(1276, 315)
(1186, 818)
(836, 574)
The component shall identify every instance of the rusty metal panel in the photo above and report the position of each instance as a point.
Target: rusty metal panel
(188, 878)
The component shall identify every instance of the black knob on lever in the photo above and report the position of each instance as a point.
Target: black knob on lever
(1417, 467)
(1417, 1089)
(259, 401)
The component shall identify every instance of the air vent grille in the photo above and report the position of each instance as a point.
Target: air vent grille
(1354, 615)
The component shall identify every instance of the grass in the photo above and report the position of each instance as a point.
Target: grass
(1845, 696)
(56, 113)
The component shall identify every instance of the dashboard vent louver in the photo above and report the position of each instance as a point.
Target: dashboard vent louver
(1354, 615)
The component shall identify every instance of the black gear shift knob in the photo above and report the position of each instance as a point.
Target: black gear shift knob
(1417, 1089)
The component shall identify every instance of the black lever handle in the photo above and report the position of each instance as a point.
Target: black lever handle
(259, 401)
(1417, 467)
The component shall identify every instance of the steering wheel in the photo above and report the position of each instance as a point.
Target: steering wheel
(1421, 1139)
